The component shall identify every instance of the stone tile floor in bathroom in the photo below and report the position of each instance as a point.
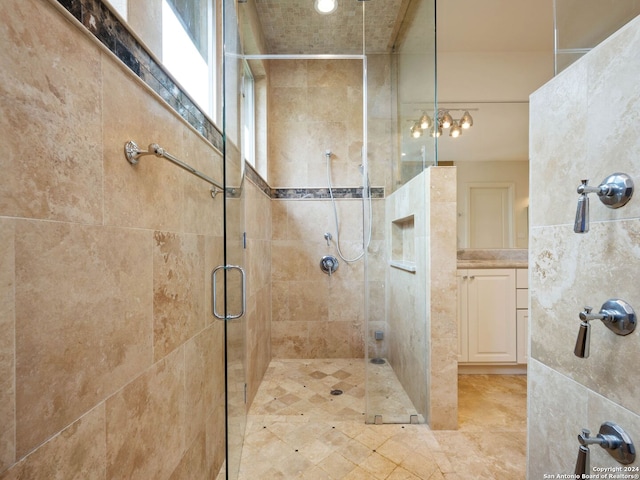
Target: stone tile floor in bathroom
(297, 430)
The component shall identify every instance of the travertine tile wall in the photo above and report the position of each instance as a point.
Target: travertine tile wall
(422, 343)
(569, 270)
(258, 262)
(314, 315)
(315, 106)
(110, 364)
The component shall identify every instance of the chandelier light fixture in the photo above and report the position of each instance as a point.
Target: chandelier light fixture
(443, 120)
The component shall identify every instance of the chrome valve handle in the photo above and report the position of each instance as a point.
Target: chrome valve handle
(614, 191)
(616, 314)
(610, 437)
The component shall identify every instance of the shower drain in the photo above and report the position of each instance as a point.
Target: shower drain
(336, 392)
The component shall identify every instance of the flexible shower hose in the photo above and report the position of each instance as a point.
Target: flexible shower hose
(335, 214)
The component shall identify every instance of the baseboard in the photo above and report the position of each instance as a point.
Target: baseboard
(464, 369)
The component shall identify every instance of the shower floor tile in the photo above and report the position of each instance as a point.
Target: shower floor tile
(297, 430)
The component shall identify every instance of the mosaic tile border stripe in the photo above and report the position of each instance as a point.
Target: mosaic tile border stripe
(307, 193)
(255, 177)
(107, 28)
(322, 193)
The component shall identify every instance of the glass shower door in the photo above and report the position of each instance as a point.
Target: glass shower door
(234, 244)
(397, 342)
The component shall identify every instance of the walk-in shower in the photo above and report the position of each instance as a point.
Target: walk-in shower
(333, 102)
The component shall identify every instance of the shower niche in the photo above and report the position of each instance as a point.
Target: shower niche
(403, 250)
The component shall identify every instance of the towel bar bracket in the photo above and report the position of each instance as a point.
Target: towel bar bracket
(133, 153)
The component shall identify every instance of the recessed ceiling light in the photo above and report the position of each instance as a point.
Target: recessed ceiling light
(326, 7)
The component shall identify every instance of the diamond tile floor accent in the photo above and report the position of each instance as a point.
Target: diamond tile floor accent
(297, 430)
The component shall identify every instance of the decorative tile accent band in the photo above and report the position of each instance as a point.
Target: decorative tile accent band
(307, 193)
(255, 177)
(322, 193)
(107, 28)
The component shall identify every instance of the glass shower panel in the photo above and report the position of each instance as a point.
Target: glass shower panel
(401, 95)
(580, 25)
(234, 230)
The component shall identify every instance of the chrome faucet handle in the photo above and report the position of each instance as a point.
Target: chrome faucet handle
(587, 316)
(616, 314)
(602, 189)
(612, 438)
(614, 191)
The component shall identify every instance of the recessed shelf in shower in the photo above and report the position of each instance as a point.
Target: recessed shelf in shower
(403, 250)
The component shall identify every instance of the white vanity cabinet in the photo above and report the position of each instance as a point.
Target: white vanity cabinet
(489, 329)
(522, 314)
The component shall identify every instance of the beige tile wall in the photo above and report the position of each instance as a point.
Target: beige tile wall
(116, 370)
(422, 343)
(315, 106)
(314, 315)
(569, 270)
(258, 262)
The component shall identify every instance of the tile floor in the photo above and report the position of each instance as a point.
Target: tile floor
(297, 430)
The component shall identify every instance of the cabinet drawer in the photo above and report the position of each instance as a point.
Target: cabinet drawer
(522, 298)
(522, 278)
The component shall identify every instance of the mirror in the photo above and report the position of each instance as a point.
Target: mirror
(491, 56)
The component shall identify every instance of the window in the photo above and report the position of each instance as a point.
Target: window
(120, 6)
(248, 116)
(188, 48)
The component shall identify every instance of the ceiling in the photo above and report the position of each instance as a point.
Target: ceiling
(470, 28)
(294, 27)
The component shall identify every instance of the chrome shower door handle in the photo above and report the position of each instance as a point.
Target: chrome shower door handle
(243, 288)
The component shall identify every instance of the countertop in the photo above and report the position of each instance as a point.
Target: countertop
(493, 258)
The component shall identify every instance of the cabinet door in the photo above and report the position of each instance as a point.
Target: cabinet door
(492, 315)
(522, 321)
(463, 333)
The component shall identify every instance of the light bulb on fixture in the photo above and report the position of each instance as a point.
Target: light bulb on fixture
(455, 131)
(425, 122)
(446, 120)
(326, 7)
(416, 131)
(436, 131)
(466, 121)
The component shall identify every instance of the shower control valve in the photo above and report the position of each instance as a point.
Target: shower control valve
(329, 264)
(616, 314)
(612, 438)
(614, 192)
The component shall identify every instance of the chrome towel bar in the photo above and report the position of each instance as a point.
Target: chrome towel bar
(133, 154)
